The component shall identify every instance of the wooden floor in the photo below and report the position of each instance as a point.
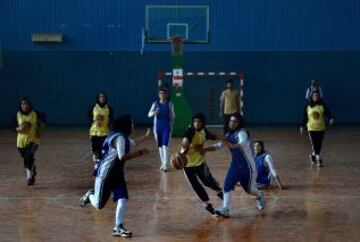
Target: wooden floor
(319, 204)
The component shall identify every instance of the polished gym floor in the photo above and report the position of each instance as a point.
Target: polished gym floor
(319, 204)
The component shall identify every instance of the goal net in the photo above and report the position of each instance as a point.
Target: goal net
(203, 91)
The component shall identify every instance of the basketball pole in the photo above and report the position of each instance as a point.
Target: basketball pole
(182, 107)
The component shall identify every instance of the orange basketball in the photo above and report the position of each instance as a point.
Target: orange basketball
(99, 117)
(178, 161)
(26, 126)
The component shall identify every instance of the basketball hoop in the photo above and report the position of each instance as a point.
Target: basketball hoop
(176, 45)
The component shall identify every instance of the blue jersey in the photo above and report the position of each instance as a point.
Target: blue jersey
(242, 168)
(264, 176)
(240, 156)
(110, 158)
(163, 118)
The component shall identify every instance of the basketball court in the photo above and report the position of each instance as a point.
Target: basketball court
(319, 204)
(59, 54)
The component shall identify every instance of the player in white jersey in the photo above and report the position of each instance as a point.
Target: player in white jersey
(110, 172)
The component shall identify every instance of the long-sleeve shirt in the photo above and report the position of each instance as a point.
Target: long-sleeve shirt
(312, 88)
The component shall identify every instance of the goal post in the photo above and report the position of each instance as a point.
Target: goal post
(201, 91)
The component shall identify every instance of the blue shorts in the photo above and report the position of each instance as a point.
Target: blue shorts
(118, 183)
(120, 191)
(163, 134)
(115, 183)
(235, 174)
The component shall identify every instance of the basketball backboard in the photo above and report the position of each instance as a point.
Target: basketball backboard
(164, 22)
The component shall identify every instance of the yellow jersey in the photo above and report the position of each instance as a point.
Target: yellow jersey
(100, 125)
(195, 158)
(32, 134)
(316, 121)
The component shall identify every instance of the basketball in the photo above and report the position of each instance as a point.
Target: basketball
(26, 126)
(99, 117)
(178, 161)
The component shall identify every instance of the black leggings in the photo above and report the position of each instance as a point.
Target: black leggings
(28, 154)
(96, 145)
(226, 118)
(316, 138)
(204, 174)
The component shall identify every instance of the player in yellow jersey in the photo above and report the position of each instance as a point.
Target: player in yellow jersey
(314, 120)
(196, 168)
(101, 116)
(29, 124)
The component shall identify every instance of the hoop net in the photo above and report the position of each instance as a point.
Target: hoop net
(177, 45)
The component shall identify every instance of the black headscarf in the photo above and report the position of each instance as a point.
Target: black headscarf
(98, 99)
(30, 106)
(201, 117)
(319, 102)
(190, 131)
(123, 124)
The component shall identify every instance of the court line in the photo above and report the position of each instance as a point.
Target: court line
(274, 197)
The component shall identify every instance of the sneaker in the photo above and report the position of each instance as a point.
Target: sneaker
(84, 200)
(222, 212)
(164, 168)
(121, 231)
(260, 200)
(312, 159)
(30, 181)
(319, 163)
(210, 209)
(220, 195)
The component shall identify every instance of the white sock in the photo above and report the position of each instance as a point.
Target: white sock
(165, 156)
(93, 201)
(255, 191)
(28, 173)
(120, 211)
(161, 156)
(318, 157)
(227, 199)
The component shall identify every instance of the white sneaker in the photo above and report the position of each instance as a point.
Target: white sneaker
(164, 168)
(260, 200)
(121, 231)
(84, 200)
(222, 212)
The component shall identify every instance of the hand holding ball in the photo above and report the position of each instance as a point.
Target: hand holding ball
(99, 119)
(178, 161)
(25, 126)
